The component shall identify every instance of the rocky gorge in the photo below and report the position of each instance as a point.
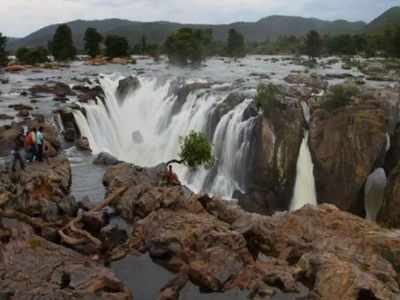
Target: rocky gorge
(251, 248)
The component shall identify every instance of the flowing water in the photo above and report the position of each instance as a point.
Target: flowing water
(374, 193)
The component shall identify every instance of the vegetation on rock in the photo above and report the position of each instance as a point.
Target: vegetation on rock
(3, 52)
(33, 56)
(116, 46)
(339, 96)
(267, 98)
(62, 46)
(92, 42)
(187, 46)
(195, 151)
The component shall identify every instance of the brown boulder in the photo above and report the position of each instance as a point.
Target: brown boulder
(390, 212)
(31, 267)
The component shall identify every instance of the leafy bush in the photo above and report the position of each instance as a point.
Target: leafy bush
(339, 96)
(116, 46)
(196, 151)
(267, 98)
(33, 56)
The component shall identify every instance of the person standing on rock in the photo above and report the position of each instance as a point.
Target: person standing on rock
(39, 143)
(30, 145)
(16, 153)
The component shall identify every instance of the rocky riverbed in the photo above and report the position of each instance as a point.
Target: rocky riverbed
(113, 230)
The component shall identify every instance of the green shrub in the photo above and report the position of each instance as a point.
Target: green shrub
(339, 96)
(31, 56)
(267, 98)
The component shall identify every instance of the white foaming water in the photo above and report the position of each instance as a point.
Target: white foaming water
(304, 189)
(374, 193)
(152, 114)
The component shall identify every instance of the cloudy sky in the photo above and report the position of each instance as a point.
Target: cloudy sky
(21, 17)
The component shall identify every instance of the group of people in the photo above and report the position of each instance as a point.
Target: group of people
(32, 142)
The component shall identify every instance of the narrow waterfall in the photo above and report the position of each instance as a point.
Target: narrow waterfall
(374, 193)
(85, 130)
(304, 189)
(145, 129)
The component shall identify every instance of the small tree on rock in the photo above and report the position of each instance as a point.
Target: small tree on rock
(3, 52)
(92, 42)
(116, 46)
(62, 45)
(195, 151)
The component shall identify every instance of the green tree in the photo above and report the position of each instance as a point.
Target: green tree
(313, 44)
(32, 56)
(188, 46)
(195, 151)
(236, 45)
(92, 42)
(144, 44)
(62, 45)
(3, 52)
(116, 46)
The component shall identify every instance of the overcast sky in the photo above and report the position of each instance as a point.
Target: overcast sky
(21, 17)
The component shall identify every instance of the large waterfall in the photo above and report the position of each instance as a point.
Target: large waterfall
(145, 129)
(304, 189)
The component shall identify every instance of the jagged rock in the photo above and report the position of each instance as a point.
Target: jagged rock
(58, 89)
(71, 130)
(314, 81)
(32, 267)
(347, 145)
(272, 170)
(106, 159)
(94, 221)
(390, 212)
(221, 247)
(126, 86)
(41, 190)
(89, 93)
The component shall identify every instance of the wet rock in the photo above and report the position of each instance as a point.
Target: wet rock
(20, 107)
(272, 170)
(390, 213)
(6, 117)
(87, 94)
(64, 274)
(58, 89)
(94, 221)
(83, 144)
(126, 86)
(137, 137)
(314, 81)
(23, 113)
(347, 145)
(106, 159)
(71, 130)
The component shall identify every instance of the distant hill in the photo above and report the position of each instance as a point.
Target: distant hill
(389, 19)
(156, 32)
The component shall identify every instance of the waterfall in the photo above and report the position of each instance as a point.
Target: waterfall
(145, 129)
(85, 129)
(304, 189)
(374, 193)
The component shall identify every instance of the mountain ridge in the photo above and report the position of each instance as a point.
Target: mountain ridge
(265, 28)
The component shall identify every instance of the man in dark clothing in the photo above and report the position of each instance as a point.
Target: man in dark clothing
(16, 153)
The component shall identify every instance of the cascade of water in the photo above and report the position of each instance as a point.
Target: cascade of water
(304, 189)
(374, 193)
(85, 129)
(145, 129)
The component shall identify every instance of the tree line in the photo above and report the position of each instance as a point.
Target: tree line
(189, 46)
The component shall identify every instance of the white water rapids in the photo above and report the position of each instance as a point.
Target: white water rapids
(145, 129)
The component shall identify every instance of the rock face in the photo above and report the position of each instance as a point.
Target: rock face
(220, 247)
(33, 268)
(106, 159)
(126, 86)
(347, 145)
(276, 148)
(390, 212)
(41, 190)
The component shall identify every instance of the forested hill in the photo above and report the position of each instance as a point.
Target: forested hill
(389, 19)
(156, 32)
